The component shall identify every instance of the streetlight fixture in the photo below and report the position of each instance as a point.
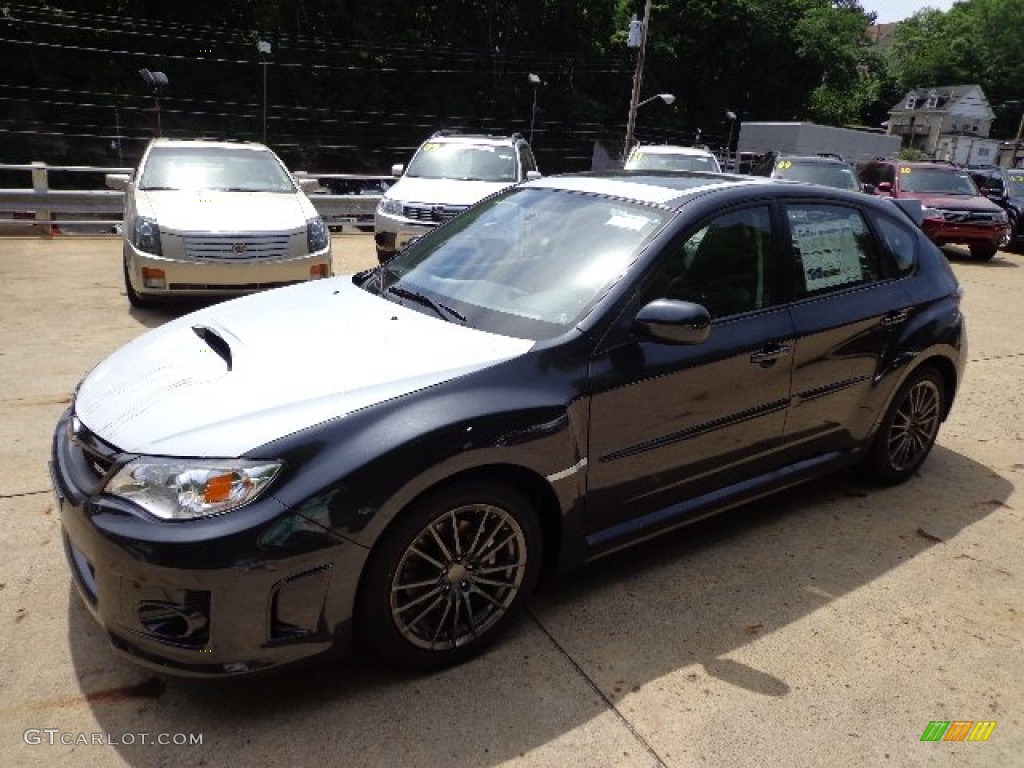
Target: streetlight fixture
(264, 50)
(668, 98)
(536, 82)
(157, 82)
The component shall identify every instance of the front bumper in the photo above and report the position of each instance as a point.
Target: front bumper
(247, 591)
(393, 233)
(183, 278)
(942, 232)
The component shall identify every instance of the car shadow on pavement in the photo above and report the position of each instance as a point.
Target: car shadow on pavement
(1002, 260)
(682, 602)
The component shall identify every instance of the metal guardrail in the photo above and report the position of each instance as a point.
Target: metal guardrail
(41, 207)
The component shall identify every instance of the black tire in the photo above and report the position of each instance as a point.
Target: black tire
(983, 252)
(134, 298)
(449, 575)
(909, 429)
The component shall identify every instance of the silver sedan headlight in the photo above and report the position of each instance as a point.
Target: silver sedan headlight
(185, 489)
(389, 206)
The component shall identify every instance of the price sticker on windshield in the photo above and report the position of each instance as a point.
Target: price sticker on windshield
(784, 165)
(431, 146)
(904, 171)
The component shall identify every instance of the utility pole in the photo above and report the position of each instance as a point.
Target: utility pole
(634, 100)
(264, 50)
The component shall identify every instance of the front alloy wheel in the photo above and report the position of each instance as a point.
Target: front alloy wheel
(450, 576)
(909, 429)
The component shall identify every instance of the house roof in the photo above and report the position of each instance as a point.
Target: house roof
(947, 96)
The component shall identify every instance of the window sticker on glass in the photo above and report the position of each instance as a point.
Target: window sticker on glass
(431, 146)
(905, 171)
(626, 221)
(784, 165)
(829, 253)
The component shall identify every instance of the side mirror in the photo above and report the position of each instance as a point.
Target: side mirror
(996, 192)
(118, 181)
(868, 188)
(884, 188)
(532, 175)
(673, 322)
(397, 170)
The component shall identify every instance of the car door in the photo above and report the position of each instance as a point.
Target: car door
(849, 305)
(672, 423)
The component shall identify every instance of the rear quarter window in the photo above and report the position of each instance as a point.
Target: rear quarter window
(898, 243)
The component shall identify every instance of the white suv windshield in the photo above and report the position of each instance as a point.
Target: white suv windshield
(469, 162)
(223, 168)
(528, 263)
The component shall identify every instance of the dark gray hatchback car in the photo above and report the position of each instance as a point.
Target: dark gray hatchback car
(572, 365)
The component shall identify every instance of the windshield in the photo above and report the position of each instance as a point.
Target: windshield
(1015, 183)
(235, 170)
(663, 161)
(825, 174)
(938, 181)
(528, 263)
(469, 162)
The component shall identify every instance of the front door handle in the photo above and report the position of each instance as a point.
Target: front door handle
(769, 355)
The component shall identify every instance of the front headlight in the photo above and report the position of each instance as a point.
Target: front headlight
(317, 235)
(184, 489)
(146, 235)
(931, 213)
(389, 206)
(1002, 218)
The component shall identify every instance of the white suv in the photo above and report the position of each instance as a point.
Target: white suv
(208, 218)
(659, 157)
(448, 173)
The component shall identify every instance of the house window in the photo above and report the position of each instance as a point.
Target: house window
(933, 102)
(911, 103)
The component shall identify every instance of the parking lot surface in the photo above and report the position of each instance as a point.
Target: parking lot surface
(827, 626)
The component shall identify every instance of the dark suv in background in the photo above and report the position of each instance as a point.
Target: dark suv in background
(1005, 188)
(826, 170)
(954, 211)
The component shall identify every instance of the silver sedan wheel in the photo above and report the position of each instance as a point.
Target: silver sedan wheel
(458, 577)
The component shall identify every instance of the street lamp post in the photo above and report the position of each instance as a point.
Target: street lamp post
(156, 82)
(264, 49)
(634, 99)
(731, 117)
(535, 81)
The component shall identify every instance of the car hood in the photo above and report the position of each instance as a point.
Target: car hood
(410, 189)
(956, 202)
(298, 356)
(218, 211)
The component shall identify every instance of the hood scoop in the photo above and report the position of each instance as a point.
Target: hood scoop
(214, 341)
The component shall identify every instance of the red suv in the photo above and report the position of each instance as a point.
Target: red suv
(954, 210)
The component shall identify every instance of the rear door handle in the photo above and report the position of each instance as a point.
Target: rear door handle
(897, 317)
(769, 354)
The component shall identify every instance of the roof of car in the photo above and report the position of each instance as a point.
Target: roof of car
(172, 143)
(660, 188)
(670, 149)
(822, 159)
(473, 138)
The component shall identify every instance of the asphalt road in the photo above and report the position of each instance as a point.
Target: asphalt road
(825, 627)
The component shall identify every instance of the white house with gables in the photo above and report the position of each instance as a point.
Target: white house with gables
(949, 122)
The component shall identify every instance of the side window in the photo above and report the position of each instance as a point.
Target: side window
(725, 265)
(899, 243)
(832, 248)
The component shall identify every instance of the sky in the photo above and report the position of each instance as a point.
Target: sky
(897, 10)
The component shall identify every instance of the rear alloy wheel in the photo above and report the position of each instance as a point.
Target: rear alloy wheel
(983, 252)
(909, 430)
(450, 576)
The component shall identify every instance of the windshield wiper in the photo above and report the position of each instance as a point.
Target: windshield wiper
(426, 301)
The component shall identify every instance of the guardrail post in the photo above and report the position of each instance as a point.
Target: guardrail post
(41, 185)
